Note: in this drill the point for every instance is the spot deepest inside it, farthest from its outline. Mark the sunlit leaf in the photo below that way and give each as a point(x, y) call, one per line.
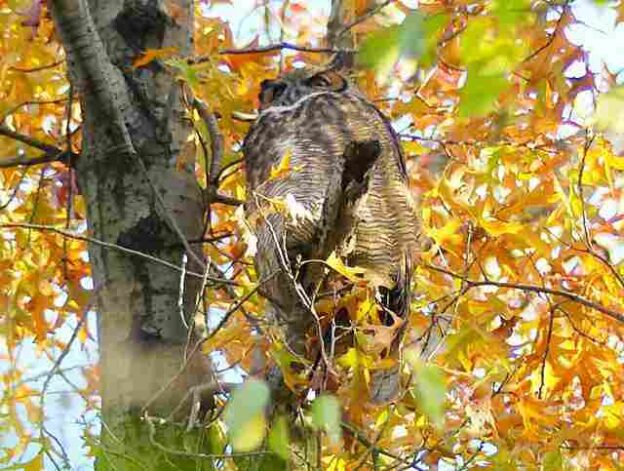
point(352, 273)
point(151, 54)
point(429, 388)
point(326, 415)
point(610, 110)
point(244, 415)
point(279, 439)
point(380, 49)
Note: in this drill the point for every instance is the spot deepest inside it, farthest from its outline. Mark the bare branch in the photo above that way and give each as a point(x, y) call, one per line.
point(368, 14)
point(120, 248)
point(269, 48)
point(30, 103)
point(30, 141)
point(618, 316)
point(213, 196)
point(216, 140)
point(25, 70)
point(60, 156)
point(579, 187)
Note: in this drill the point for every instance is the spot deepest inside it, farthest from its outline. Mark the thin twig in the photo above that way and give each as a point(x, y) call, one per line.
point(70, 177)
point(28, 140)
point(188, 356)
point(22, 160)
point(588, 143)
point(552, 36)
point(268, 48)
point(618, 316)
point(109, 245)
point(181, 291)
point(15, 190)
point(551, 320)
point(365, 16)
point(25, 70)
point(65, 351)
point(30, 103)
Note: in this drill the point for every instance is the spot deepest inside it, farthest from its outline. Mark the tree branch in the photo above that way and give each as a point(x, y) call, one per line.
point(30, 141)
point(60, 156)
point(120, 248)
point(268, 48)
point(52, 153)
point(95, 74)
point(216, 140)
point(618, 316)
point(361, 19)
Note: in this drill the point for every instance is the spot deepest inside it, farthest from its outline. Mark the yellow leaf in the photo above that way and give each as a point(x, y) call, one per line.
point(337, 465)
point(352, 273)
point(610, 110)
point(354, 358)
point(497, 228)
point(250, 434)
point(447, 235)
point(613, 415)
point(283, 168)
point(365, 308)
point(35, 464)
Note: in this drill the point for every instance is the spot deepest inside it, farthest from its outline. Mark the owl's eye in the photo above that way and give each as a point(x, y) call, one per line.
point(270, 90)
point(328, 80)
point(320, 81)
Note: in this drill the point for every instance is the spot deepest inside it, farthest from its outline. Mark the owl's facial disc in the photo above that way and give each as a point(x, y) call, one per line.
point(298, 84)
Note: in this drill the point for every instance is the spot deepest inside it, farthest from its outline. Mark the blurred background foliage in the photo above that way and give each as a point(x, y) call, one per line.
point(511, 116)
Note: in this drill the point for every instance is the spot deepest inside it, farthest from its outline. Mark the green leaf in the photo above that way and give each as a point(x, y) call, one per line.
point(411, 36)
point(279, 438)
point(552, 461)
point(244, 415)
point(416, 37)
point(379, 48)
point(429, 388)
point(326, 416)
point(433, 27)
point(479, 94)
point(185, 71)
point(512, 12)
point(610, 111)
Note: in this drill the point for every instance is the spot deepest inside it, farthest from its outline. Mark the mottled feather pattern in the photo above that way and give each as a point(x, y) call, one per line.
point(314, 127)
point(316, 134)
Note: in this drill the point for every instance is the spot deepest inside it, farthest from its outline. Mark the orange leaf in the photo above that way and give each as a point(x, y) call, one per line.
point(152, 54)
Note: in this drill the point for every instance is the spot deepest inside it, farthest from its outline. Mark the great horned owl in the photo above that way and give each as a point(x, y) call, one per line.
point(329, 156)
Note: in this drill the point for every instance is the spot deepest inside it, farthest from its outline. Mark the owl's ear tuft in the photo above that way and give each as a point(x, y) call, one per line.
point(270, 90)
point(329, 80)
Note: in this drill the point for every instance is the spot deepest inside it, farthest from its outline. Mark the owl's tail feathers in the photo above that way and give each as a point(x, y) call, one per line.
point(385, 385)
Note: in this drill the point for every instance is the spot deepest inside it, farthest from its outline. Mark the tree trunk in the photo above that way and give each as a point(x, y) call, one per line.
point(137, 196)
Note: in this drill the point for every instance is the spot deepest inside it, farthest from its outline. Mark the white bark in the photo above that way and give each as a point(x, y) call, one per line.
point(133, 130)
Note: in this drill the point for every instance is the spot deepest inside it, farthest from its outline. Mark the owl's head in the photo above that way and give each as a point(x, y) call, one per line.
point(295, 85)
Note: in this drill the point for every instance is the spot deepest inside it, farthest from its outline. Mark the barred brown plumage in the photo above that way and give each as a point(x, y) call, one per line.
point(343, 176)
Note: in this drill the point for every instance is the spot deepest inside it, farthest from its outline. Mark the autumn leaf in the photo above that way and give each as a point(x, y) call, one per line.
point(352, 273)
point(609, 112)
point(326, 416)
point(244, 415)
point(152, 54)
point(283, 168)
